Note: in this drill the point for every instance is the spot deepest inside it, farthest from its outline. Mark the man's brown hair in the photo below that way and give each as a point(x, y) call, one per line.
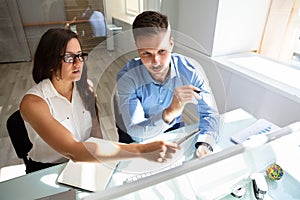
point(149, 23)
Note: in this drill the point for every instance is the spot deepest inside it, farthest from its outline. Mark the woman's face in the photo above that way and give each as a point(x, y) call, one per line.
point(72, 71)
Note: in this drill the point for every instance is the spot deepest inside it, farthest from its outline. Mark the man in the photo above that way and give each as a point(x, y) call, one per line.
point(155, 88)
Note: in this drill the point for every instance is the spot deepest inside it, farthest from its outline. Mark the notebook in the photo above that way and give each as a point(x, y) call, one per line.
point(88, 176)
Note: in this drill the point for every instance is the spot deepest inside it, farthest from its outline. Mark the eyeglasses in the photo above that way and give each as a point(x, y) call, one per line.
point(70, 58)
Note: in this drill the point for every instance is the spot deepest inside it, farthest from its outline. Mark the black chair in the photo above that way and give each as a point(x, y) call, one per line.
point(18, 136)
point(21, 143)
point(124, 137)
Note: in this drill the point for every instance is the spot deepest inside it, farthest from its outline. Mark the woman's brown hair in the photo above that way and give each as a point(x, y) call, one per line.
point(48, 62)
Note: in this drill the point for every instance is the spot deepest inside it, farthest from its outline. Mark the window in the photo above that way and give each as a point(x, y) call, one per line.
point(281, 39)
point(133, 7)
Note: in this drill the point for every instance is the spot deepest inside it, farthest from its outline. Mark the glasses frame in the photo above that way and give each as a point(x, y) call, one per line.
point(82, 57)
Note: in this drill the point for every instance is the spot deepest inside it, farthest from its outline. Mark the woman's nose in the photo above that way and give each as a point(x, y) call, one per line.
point(76, 60)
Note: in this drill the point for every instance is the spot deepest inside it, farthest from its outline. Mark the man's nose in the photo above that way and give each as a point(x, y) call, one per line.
point(155, 59)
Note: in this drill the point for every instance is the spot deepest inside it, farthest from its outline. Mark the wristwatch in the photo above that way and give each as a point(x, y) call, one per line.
point(204, 144)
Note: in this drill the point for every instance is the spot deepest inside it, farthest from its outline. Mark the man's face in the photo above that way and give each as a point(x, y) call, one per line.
point(155, 53)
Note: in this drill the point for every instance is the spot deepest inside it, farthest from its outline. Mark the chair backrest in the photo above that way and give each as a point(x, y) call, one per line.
point(124, 137)
point(117, 112)
point(18, 135)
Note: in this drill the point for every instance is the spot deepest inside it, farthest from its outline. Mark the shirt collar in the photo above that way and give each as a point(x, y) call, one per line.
point(173, 72)
point(50, 91)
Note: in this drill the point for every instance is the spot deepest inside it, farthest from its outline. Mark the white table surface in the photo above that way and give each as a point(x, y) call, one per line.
point(43, 183)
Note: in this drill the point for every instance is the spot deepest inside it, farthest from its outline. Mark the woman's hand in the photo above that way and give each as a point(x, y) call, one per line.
point(158, 151)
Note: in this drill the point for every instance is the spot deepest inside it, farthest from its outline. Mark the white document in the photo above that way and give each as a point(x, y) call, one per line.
point(261, 126)
point(88, 176)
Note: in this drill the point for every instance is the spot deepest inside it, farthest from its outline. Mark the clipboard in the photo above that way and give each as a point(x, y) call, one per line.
point(88, 176)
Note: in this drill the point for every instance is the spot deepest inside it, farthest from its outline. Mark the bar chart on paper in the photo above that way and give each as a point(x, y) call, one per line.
point(261, 126)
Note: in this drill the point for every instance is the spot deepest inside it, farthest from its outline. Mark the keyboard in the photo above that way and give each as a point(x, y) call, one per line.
point(147, 174)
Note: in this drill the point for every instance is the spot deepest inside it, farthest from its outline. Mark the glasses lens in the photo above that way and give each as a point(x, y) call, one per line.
point(79, 56)
point(70, 58)
point(83, 57)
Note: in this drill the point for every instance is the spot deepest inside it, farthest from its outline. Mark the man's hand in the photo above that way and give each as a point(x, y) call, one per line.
point(182, 96)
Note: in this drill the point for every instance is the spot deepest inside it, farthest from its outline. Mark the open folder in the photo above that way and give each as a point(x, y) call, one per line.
point(88, 176)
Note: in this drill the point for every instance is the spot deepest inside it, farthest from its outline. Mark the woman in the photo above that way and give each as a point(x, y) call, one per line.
point(60, 111)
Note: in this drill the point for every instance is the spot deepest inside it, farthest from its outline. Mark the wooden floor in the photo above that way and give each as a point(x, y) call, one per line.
point(15, 80)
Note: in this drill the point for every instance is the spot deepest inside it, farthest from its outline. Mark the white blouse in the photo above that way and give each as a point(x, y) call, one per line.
point(72, 115)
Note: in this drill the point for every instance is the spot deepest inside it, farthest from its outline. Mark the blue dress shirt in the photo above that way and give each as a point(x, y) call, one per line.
point(143, 100)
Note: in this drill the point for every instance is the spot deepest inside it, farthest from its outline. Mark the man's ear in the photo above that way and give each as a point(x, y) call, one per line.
point(172, 43)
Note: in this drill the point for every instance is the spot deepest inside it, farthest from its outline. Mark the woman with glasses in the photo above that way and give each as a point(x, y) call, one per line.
point(60, 110)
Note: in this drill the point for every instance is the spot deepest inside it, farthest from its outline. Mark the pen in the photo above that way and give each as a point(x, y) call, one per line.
point(181, 140)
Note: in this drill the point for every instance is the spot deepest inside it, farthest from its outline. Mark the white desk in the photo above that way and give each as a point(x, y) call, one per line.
point(43, 183)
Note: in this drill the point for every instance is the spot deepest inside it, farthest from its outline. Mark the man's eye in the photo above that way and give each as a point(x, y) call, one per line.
point(162, 51)
point(145, 54)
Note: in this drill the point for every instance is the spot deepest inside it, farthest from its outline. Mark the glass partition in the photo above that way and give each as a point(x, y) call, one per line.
point(86, 17)
point(218, 175)
point(213, 177)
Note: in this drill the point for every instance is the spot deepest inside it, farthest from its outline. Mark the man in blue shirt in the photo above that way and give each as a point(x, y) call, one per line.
point(154, 88)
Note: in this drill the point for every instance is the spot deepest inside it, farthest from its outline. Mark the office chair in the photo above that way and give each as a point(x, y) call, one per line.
point(21, 143)
point(121, 129)
point(18, 136)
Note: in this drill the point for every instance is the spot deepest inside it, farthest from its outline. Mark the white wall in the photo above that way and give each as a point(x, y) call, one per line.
point(235, 89)
point(219, 27)
point(114, 7)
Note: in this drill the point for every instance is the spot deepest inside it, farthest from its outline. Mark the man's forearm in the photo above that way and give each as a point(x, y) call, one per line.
point(167, 116)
